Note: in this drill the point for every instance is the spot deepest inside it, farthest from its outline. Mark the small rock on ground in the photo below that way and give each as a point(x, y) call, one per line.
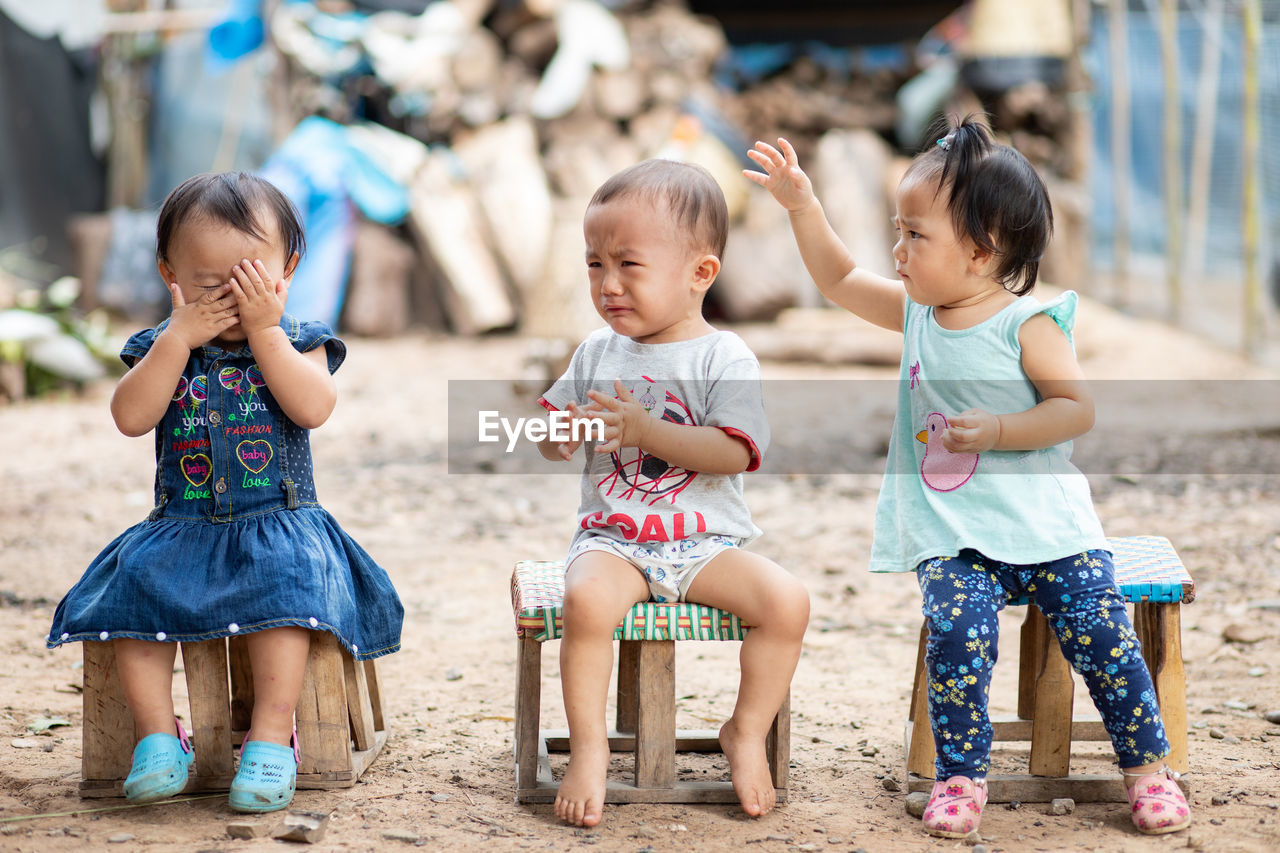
point(1063, 805)
point(309, 827)
point(247, 828)
point(119, 838)
point(916, 803)
point(406, 835)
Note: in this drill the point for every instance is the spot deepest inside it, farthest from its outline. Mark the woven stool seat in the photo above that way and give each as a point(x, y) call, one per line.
point(646, 695)
point(1152, 578)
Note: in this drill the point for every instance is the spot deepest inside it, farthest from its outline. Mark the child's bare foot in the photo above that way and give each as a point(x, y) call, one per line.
point(580, 800)
point(749, 770)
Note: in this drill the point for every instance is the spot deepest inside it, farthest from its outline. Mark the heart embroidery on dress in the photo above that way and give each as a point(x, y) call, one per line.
point(254, 455)
point(196, 468)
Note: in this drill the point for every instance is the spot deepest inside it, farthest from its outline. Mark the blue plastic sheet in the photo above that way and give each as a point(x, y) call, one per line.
point(239, 32)
point(329, 179)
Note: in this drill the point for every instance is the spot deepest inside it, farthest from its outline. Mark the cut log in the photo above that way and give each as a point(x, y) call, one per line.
point(506, 174)
point(378, 291)
point(847, 169)
point(761, 273)
point(452, 231)
point(560, 305)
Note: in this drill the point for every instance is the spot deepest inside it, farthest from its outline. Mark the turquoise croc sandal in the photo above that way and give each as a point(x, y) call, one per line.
point(160, 765)
point(266, 778)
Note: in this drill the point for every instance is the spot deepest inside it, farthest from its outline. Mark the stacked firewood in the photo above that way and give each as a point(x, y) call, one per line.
point(524, 107)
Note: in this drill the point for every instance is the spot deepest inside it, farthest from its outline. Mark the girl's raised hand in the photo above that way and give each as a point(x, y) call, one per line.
point(782, 174)
point(197, 323)
point(261, 300)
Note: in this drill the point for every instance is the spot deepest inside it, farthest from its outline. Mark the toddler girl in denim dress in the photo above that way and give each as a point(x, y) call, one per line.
point(237, 542)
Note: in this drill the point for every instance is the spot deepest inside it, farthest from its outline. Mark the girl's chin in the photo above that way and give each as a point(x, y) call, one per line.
point(235, 335)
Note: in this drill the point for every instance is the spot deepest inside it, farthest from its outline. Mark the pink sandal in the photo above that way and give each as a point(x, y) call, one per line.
point(1158, 803)
point(955, 807)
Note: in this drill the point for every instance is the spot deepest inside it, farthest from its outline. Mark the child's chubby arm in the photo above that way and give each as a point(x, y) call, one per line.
point(144, 393)
point(1065, 410)
point(300, 382)
point(707, 449)
point(874, 298)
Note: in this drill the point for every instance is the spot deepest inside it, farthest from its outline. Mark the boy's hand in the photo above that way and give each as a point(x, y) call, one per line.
point(199, 322)
point(577, 413)
point(261, 300)
point(626, 422)
point(971, 431)
point(782, 175)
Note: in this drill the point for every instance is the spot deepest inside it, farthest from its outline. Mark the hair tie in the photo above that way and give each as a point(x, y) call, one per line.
point(945, 142)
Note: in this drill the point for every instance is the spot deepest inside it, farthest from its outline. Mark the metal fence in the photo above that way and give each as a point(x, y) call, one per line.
point(1186, 205)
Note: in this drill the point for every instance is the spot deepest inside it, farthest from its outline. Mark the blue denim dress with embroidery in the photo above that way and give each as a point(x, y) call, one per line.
point(237, 541)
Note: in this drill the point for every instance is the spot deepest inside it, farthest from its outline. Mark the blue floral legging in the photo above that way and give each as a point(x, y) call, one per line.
point(1078, 595)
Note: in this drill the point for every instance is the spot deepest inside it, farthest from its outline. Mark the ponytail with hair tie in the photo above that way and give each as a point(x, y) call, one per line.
point(995, 198)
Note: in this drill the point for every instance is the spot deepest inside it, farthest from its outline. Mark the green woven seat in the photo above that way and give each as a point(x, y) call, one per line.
point(537, 597)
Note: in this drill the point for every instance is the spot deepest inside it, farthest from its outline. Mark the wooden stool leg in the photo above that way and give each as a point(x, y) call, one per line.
point(375, 694)
point(528, 712)
point(628, 685)
point(359, 706)
point(778, 744)
point(1031, 650)
point(107, 737)
point(241, 685)
point(922, 753)
point(656, 720)
point(210, 695)
point(1051, 722)
point(1160, 631)
point(324, 735)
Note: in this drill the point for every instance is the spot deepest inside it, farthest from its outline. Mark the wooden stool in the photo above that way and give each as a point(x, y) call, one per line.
point(1151, 576)
point(646, 722)
point(339, 716)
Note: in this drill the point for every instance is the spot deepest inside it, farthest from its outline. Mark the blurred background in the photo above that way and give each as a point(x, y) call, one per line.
point(442, 151)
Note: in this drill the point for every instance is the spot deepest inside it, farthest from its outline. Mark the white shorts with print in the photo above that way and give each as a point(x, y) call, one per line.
point(669, 567)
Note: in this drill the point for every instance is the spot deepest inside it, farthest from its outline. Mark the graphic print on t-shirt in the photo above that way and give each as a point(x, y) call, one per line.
point(642, 476)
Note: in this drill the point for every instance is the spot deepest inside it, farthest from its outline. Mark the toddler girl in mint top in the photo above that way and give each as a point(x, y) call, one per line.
point(980, 498)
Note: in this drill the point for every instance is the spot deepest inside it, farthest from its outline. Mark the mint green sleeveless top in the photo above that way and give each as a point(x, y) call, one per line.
point(1013, 506)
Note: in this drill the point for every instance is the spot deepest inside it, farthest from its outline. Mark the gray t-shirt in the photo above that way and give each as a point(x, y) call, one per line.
point(631, 496)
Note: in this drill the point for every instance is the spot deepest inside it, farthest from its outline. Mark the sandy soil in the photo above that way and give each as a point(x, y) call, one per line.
point(69, 482)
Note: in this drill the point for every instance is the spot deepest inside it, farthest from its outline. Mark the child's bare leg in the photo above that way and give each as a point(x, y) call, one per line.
point(776, 606)
point(599, 588)
point(278, 657)
point(146, 675)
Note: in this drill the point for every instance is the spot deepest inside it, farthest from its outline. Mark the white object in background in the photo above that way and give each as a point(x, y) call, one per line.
point(411, 53)
point(589, 35)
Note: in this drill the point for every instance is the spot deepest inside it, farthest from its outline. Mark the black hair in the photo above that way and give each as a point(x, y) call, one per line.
point(234, 198)
point(995, 197)
point(690, 192)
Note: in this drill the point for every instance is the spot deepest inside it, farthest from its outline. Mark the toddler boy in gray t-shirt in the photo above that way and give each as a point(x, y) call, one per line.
point(662, 515)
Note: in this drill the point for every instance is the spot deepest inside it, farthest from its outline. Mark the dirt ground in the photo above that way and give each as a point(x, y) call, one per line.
point(69, 483)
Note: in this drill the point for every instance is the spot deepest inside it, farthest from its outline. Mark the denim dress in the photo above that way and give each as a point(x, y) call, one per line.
point(237, 541)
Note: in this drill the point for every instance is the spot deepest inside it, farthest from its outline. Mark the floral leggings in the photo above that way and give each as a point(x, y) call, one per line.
point(1078, 595)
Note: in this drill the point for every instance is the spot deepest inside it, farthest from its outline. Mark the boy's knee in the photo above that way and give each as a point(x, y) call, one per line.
point(583, 610)
point(790, 605)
